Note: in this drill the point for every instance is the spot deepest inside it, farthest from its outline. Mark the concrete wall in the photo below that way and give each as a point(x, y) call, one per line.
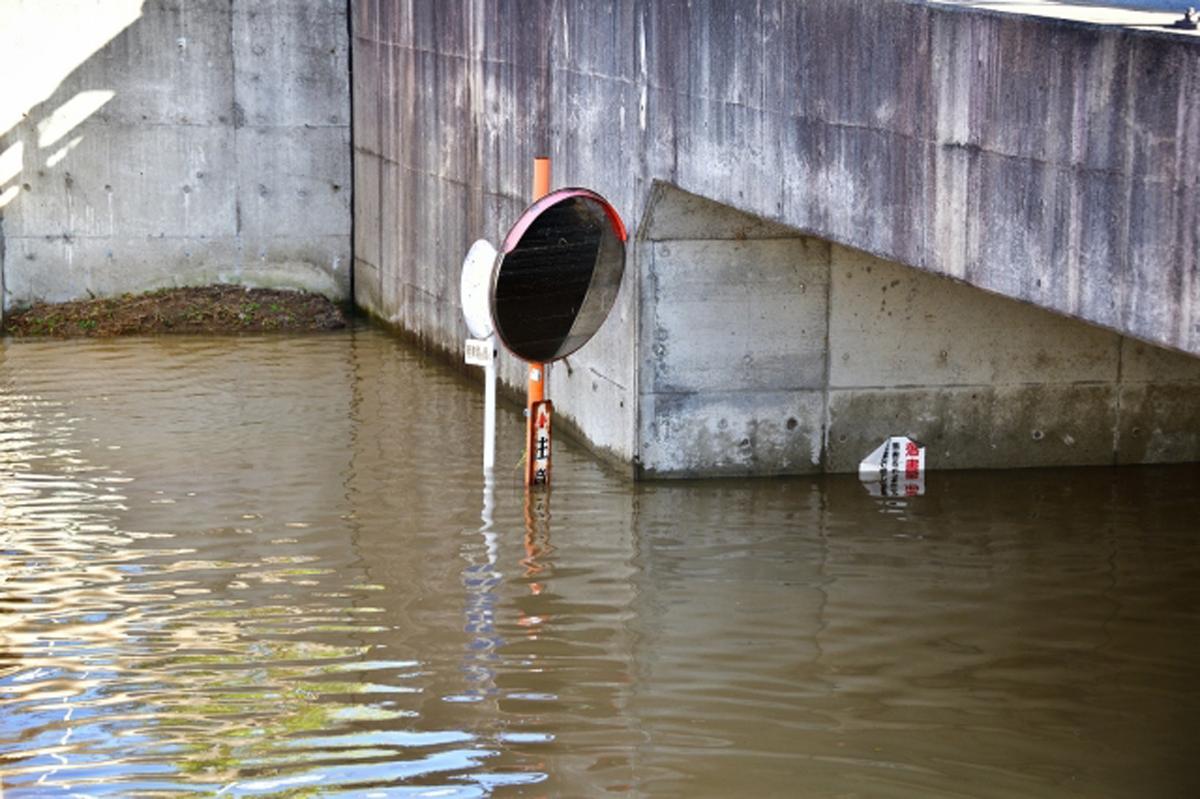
point(160, 142)
point(734, 330)
point(988, 382)
point(1048, 161)
point(763, 351)
point(446, 128)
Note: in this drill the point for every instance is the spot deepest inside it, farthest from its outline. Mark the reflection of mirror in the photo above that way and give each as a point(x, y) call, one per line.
point(558, 275)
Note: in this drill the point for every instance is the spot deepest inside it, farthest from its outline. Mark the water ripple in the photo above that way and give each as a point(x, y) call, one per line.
point(259, 567)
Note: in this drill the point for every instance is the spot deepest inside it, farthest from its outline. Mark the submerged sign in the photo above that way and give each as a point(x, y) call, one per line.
point(896, 468)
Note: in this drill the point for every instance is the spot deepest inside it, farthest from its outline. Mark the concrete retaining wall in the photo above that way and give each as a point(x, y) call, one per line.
point(1051, 161)
point(158, 143)
point(767, 352)
point(1047, 161)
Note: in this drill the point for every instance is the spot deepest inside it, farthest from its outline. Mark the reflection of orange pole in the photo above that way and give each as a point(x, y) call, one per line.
point(536, 384)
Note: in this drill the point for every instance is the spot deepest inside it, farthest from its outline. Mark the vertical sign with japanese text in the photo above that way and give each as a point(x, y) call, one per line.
point(539, 442)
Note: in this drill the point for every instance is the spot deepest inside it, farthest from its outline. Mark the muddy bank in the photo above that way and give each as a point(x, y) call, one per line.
point(209, 309)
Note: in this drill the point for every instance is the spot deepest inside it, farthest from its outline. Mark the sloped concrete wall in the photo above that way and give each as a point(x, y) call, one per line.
point(734, 332)
point(767, 352)
point(158, 142)
point(987, 382)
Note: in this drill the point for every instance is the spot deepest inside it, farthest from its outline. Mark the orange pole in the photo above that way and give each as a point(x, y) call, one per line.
point(537, 371)
point(536, 382)
point(541, 177)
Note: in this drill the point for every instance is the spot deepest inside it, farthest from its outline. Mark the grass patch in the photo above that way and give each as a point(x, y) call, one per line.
point(206, 309)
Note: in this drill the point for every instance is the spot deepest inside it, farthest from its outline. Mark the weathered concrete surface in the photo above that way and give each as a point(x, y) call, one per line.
point(164, 143)
point(733, 349)
point(987, 382)
point(764, 352)
point(1049, 161)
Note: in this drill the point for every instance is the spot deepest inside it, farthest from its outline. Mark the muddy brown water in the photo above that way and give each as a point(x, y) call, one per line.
point(258, 566)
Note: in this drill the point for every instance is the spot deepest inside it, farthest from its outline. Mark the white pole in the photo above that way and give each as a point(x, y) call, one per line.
point(489, 407)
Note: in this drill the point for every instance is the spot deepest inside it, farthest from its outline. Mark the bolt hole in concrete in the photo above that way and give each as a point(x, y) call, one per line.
point(265, 565)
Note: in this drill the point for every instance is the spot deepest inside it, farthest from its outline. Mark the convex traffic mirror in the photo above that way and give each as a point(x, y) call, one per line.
point(557, 274)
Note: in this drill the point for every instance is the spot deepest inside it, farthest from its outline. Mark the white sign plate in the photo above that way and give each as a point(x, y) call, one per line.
point(540, 449)
point(478, 353)
point(896, 468)
point(897, 455)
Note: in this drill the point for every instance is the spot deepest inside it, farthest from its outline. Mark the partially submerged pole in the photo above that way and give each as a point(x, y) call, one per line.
point(536, 382)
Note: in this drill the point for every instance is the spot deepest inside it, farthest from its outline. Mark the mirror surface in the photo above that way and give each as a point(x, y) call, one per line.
point(558, 275)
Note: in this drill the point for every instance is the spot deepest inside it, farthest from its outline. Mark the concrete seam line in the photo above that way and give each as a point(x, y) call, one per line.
point(826, 389)
point(350, 136)
point(237, 119)
point(1120, 386)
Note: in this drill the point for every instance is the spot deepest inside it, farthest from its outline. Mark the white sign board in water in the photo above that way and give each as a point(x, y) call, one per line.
point(897, 467)
point(896, 486)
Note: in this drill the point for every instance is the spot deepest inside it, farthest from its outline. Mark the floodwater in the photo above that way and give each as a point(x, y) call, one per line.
point(258, 566)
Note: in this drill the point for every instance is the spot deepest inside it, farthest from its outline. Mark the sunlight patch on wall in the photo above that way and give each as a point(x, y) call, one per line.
point(61, 152)
point(10, 162)
point(43, 41)
point(67, 116)
point(10, 167)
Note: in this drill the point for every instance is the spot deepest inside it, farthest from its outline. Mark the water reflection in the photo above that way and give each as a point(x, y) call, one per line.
point(481, 578)
point(227, 571)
